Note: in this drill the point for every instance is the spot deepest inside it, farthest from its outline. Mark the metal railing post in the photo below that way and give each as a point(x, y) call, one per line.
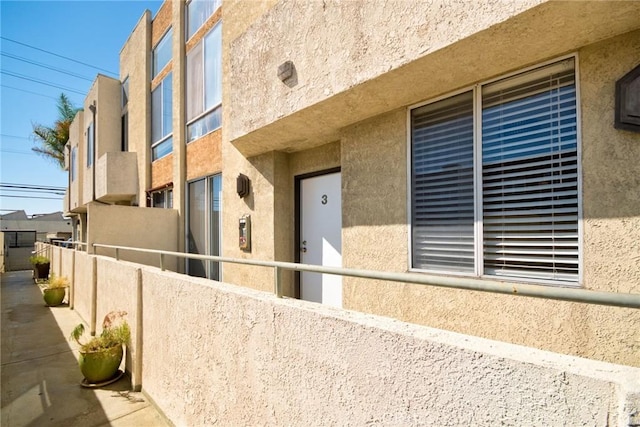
point(117, 254)
point(277, 273)
point(162, 262)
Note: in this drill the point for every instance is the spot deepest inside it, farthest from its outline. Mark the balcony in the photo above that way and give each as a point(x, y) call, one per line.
point(116, 177)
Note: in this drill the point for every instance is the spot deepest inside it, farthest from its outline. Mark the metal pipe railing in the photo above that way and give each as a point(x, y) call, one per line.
point(615, 299)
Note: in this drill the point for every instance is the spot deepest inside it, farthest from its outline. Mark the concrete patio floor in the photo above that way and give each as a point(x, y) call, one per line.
point(39, 373)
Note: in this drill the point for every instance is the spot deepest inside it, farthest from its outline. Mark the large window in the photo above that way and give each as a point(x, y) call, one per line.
point(204, 225)
point(161, 119)
point(124, 119)
point(198, 11)
point(494, 179)
point(204, 85)
point(90, 144)
point(162, 53)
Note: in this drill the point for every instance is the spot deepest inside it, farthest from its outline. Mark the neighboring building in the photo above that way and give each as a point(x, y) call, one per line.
point(46, 225)
point(471, 139)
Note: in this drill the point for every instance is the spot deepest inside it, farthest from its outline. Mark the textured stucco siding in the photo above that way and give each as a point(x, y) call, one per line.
point(116, 177)
point(117, 291)
point(217, 353)
point(152, 228)
point(83, 282)
point(391, 54)
point(76, 133)
point(135, 64)
point(241, 357)
point(610, 165)
point(374, 168)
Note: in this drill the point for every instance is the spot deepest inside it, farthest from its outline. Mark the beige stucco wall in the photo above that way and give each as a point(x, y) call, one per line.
point(284, 361)
point(386, 55)
point(151, 228)
point(116, 177)
point(76, 135)
point(376, 238)
point(610, 159)
point(117, 291)
point(135, 63)
point(83, 282)
point(275, 362)
point(105, 93)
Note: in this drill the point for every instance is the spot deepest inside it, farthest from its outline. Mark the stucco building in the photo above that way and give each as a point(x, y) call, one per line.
point(468, 139)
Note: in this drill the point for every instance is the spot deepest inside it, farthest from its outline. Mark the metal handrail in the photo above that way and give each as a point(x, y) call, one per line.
point(615, 299)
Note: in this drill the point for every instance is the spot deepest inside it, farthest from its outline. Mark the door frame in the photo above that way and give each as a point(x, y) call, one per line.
point(297, 225)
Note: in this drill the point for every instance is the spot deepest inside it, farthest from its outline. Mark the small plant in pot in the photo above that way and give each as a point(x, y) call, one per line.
point(100, 357)
point(55, 290)
point(41, 266)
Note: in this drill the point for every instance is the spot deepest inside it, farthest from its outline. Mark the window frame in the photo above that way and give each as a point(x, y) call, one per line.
point(154, 71)
point(188, 21)
point(169, 135)
point(91, 144)
point(73, 168)
point(476, 89)
point(166, 199)
point(211, 110)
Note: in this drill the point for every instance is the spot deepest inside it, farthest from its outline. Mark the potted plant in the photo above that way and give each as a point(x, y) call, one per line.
point(100, 357)
point(55, 290)
point(41, 266)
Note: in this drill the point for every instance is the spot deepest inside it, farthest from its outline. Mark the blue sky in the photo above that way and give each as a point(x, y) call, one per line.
point(92, 32)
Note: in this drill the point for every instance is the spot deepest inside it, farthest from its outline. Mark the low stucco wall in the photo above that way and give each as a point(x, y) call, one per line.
point(217, 353)
point(243, 357)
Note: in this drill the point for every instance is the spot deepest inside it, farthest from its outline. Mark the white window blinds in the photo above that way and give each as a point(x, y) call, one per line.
point(526, 207)
point(442, 181)
point(530, 175)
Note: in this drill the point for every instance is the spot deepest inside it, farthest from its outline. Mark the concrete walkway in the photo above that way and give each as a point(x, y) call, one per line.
point(40, 376)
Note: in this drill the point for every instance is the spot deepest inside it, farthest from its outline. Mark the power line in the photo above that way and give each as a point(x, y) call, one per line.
point(31, 197)
point(28, 91)
point(42, 82)
point(39, 64)
point(18, 152)
point(58, 55)
point(51, 193)
point(33, 186)
point(14, 136)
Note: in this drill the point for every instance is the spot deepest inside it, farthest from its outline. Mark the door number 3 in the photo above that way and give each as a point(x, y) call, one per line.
point(324, 199)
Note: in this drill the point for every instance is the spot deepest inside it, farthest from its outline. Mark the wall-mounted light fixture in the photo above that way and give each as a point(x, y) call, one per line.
point(243, 186)
point(628, 101)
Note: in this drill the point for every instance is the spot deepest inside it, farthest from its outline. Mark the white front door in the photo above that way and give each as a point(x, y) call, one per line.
point(321, 237)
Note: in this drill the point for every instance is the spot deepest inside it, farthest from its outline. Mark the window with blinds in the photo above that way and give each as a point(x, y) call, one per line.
point(526, 209)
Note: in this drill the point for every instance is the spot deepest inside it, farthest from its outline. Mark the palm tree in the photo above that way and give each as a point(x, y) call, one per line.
point(52, 140)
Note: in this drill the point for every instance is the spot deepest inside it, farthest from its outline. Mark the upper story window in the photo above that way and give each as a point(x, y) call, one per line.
point(198, 11)
point(161, 119)
point(204, 85)
point(162, 53)
point(125, 92)
point(494, 179)
point(72, 167)
point(90, 145)
point(162, 198)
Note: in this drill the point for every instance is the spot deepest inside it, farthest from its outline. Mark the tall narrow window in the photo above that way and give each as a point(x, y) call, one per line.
point(73, 170)
point(90, 145)
point(204, 85)
point(161, 119)
point(198, 11)
point(525, 207)
point(162, 53)
point(442, 180)
point(204, 225)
